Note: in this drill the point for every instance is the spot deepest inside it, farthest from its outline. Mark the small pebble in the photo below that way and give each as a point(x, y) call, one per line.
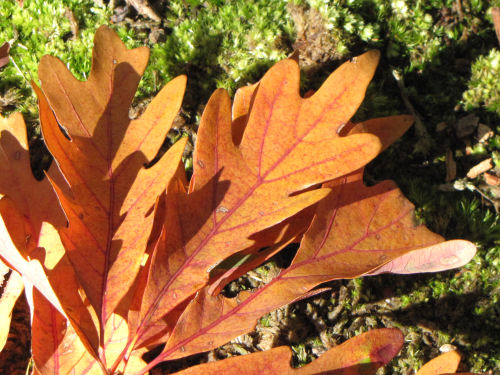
point(447, 348)
point(466, 125)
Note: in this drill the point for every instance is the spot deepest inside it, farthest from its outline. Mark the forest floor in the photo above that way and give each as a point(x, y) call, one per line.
point(440, 62)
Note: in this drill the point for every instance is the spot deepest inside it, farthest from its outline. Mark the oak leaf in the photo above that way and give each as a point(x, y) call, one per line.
point(356, 230)
point(102, 156)
point(136, 257)
point(444, 364)
point(363, 354)
point(22, 216)
point(239, 190)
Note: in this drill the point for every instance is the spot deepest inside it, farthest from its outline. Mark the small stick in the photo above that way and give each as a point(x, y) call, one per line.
point(423, 135)
point(143, 8)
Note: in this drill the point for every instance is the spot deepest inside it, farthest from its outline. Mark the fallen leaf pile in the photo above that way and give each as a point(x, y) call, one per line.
point(119, 257)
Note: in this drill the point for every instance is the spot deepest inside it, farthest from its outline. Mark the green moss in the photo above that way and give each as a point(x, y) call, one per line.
point(300, 354)
point(265, 321)
point(484, 85)
point(221, 44)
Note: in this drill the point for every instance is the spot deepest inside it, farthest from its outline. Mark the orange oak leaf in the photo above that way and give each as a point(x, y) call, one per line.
point(23, 219)
point(135, 258)
point(22, 215)
point(445, 363)
point(362, 354)
point(102, 154)
point(28, 222)
point(387, 130)
point(289, 144)
point(356, 230)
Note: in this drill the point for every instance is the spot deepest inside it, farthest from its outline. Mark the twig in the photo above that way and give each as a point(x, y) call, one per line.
point(20, 71)
point(423, 144)
point(459, 10)
point(463, 184)
point(143, 8)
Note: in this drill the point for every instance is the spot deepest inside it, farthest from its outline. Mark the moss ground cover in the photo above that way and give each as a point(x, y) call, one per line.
point(441, 61)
